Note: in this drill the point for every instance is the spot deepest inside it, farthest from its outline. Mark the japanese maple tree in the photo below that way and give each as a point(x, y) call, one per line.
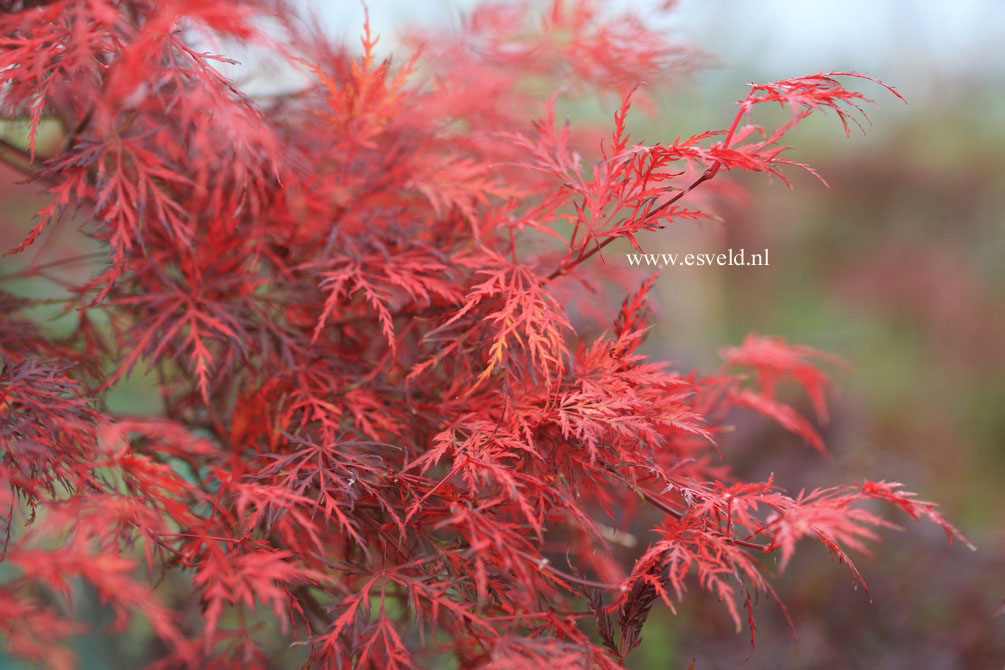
point(394, 426)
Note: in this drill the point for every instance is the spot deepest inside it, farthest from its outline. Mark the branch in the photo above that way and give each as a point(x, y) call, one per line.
point(323, 619)
point(544, 564)
point(564, 268)
point(664, 506)
point(20, 160)
point(31, 269)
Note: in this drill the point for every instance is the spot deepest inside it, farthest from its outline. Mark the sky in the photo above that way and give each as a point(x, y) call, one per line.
point(923, 45)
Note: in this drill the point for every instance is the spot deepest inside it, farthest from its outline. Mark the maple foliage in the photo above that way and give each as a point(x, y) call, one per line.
point(387, 429)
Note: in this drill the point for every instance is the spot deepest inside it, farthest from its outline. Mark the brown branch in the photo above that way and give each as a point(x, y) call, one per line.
point(565, 267)
point(31, 269)
point(664, 506)
point(22, 162)
point(323, 619)
point(545, 564)
point(71, 138)
point(652, 499)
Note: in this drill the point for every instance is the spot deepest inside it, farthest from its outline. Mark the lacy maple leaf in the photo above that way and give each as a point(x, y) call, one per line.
point(388, 427)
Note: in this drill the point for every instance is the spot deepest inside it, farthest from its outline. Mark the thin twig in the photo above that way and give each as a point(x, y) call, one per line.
point(567, 266)
point(314, 607)
point(30, 269)
point(664, 506)
point(545, 564)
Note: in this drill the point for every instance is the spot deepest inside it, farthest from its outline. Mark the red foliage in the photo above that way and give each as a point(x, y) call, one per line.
point(381, 428)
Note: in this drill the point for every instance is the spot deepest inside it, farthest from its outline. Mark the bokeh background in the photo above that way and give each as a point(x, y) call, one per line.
point(898, 267)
